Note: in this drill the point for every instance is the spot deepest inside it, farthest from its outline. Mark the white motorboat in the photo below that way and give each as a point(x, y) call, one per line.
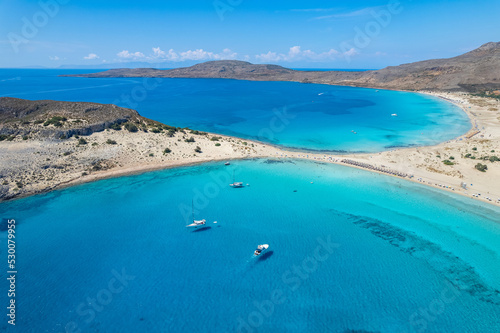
point(261, 248)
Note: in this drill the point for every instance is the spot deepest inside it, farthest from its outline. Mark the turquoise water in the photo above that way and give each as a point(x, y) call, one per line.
point(290, 114)
point(400, 257)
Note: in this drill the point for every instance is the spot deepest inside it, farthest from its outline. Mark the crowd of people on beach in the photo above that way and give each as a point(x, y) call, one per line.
point(375, 168)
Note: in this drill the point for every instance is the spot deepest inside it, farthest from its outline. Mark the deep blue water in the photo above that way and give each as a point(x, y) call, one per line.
point(401, 257)
point(307, 116)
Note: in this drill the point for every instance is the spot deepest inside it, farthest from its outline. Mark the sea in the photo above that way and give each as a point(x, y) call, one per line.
point(349, 250)
point(288, 114)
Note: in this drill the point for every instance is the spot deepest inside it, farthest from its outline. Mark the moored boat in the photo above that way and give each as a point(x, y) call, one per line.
point(195, 223)
point(236, 184)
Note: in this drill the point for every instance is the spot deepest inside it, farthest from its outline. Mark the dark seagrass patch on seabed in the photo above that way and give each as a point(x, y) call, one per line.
point(456, 271)
point(277, 161)
point(400, 146)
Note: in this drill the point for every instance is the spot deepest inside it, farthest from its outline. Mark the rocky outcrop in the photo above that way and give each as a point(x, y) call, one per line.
point(57, 119)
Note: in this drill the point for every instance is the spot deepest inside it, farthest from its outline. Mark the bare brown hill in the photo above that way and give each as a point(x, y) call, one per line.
point(475, 71)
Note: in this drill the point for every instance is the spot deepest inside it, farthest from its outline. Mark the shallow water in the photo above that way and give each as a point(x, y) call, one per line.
point(290, 114)
point(401, 257)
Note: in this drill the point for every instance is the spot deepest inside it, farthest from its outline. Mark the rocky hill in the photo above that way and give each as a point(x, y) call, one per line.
point(226, 69)
point(475, 71)
point(59, 119)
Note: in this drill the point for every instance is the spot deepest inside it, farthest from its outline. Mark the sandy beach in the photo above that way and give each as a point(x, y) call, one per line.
point(36, 166)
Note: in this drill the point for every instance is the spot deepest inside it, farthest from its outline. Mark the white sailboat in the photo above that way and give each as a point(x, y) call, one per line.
point(236, 184)
point(261, 248)
point(195, 222)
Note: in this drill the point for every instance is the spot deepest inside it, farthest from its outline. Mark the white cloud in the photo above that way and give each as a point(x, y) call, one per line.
point(198, 54)
point(351, 52)
point(91, 56)
point(227, 54)
point(171, 55)
point(128, 55)
point(296, 53)
point(158, 53)
point(269, 57)
point(55, 58)
point(355, 13)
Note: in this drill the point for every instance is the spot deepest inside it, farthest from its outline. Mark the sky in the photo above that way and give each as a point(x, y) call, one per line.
point(366, 34)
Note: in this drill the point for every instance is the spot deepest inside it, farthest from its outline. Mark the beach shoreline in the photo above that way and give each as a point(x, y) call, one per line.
point(408, 161)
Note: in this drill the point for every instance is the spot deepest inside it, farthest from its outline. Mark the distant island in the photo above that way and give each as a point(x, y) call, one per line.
point(477, 71)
